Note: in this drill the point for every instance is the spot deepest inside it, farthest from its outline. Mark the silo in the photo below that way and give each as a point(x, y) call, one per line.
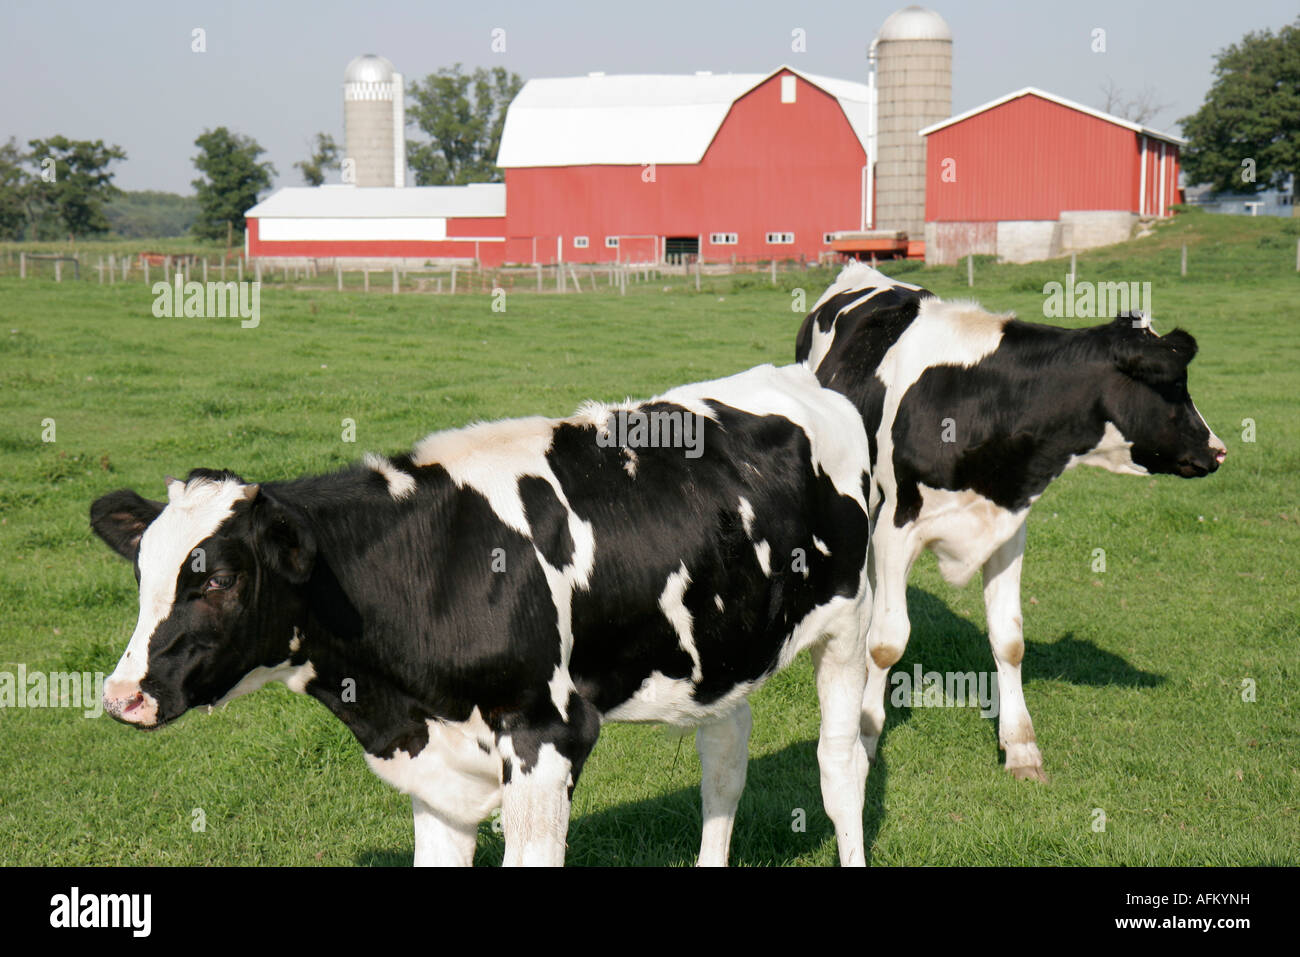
point(913, 80)
point(374, 122)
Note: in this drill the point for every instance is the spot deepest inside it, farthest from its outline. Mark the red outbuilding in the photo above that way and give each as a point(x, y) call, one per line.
point(1032, 175)
point(639, 168)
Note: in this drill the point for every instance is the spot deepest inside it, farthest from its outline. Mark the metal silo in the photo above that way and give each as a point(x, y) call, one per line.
point(374, 122)
point(912, 66)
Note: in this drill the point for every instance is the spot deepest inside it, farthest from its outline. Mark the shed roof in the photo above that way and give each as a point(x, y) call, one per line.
point(382, 202)
point(628, 120)
point(1062, 101)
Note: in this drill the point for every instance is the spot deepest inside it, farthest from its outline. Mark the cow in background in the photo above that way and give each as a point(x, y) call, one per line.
point(970, 415)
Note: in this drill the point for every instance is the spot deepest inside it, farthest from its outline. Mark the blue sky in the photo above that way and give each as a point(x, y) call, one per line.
point(125, 72)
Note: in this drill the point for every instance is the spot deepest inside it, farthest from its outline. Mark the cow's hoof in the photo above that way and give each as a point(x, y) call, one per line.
point(1029, 772)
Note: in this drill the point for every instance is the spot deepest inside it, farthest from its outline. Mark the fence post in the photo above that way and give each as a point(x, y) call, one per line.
point(58, 270)
point(453, 279)
point(1184, 266)
point(167, 269)
point(239, 268)
point(622, 280)
point(257, 270)
point(99, 267)
point(396, 288)
point(539, 277)
point(112, 269)
point(970, 269)
point(223, 268)
point(205, 270)
point(1074, 266)
point(146, 272)
point(365, 280)
point(774, 270)
point(22, 265)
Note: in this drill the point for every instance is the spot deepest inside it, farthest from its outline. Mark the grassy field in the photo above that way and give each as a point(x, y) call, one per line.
point(1134, 675)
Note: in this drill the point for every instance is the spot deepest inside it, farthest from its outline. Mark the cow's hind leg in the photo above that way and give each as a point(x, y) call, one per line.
point(723, 746)
point(541, 764)
point(1006, 636)
point(892, 553)
point(840, 664)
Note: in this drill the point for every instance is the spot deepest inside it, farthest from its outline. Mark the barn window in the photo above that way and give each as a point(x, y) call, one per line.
point(724, 239)
point(611, 242)
point(827, 238)
point(780, 239)
point(579, 242)
point(787, 89)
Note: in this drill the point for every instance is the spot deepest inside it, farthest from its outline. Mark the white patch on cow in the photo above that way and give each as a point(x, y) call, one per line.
point(834, 427)
point(629, 461)
point(295, 677)
point(451, 773)
point(820, 546)
point(490, 457)
point(1215, 443)
point(962, 529)
point(296, 641)
point(763, 552)
point(401, 485)
point(717, 600)
point(193, 513)
point(860, 275)
point(1112, 453)
point(664, 700)
point(672, 604)
point(747, 517)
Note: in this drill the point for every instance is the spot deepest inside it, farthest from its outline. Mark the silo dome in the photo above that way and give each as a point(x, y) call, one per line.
point(914, 23)
point(368, 68)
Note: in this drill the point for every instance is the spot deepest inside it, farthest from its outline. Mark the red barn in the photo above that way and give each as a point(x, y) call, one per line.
point(1032, 175)
point(635, 168)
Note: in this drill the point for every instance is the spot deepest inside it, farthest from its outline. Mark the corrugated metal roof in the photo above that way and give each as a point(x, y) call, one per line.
point(634, 119)
point(1052, 97)
point(385, 202)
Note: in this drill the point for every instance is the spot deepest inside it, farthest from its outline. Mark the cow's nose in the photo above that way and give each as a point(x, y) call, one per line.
point(126, 701)
point(1219, 450)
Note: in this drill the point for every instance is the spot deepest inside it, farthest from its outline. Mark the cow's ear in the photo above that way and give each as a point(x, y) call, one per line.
point(1155, 360)
point(121, 517)
point(285, 544)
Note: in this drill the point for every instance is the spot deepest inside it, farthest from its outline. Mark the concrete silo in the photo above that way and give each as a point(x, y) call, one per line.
point(911, 61)
point(374, 122)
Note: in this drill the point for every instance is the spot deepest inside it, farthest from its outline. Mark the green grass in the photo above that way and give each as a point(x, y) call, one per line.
point(1133, 675)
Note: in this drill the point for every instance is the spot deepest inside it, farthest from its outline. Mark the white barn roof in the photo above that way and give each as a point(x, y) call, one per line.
point(382, 202)
point(1053, 98)
point(634, 119)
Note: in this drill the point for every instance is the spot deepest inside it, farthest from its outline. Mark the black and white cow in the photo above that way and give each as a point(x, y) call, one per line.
point(970, 415)
point(475, 609)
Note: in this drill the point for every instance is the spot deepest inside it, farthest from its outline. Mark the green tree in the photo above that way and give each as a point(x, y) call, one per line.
point(73, 176)
point(14, 186)
point(232, 180)
point(1246, 135)
point(324, 156)
point(462, 114)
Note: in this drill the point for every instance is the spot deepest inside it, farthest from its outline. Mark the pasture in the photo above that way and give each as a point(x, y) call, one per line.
point(1164, 688)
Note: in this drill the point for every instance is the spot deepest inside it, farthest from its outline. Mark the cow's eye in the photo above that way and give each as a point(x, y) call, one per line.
point(219, 582)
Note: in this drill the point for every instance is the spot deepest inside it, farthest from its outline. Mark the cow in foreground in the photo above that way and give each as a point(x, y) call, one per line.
point(475, 609)
point(970, 415)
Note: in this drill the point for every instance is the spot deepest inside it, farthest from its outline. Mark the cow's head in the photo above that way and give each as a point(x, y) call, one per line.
point(1149, 403)
point(218, 565)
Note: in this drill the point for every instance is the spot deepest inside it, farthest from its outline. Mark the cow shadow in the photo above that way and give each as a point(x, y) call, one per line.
point(780, 820)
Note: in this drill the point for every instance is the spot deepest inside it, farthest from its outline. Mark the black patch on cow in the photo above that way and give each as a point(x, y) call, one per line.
point(685, 512)
point(1044, 395)
point(862, 337)
point(548, 520)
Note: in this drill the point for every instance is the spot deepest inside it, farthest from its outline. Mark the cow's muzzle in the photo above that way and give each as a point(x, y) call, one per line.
point(126, 702)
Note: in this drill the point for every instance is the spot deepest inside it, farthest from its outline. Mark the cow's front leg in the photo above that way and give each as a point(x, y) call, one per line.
point(840, 666)
point(440, 842)
point(1006, 636)
point(541, 764)
point(723, 746)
